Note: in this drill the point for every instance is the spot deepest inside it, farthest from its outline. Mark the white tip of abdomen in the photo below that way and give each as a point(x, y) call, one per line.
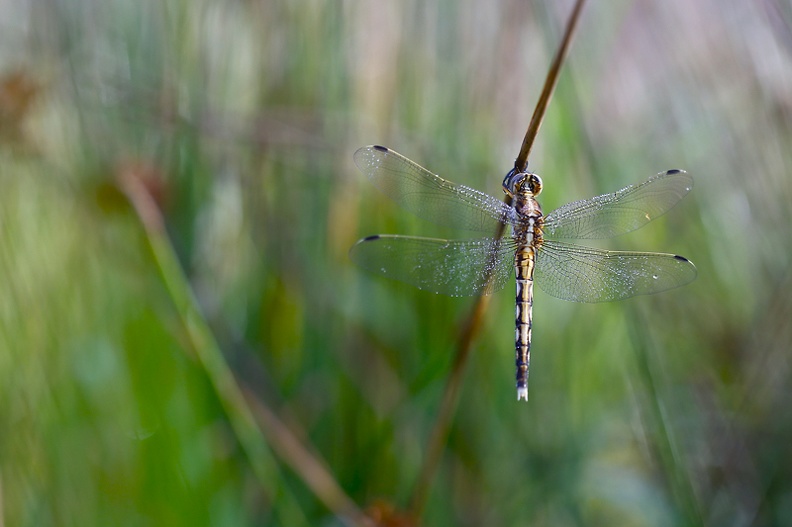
point(522, 393)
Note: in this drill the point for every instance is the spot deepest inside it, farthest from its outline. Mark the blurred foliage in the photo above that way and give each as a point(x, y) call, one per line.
point(240, 119)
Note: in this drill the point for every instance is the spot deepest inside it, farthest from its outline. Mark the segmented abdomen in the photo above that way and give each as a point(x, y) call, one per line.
point(524, 266)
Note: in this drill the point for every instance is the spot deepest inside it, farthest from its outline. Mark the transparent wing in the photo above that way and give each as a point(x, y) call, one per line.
point(620, 212)
point(429, 196)
point(449, 267)
point(583, 274)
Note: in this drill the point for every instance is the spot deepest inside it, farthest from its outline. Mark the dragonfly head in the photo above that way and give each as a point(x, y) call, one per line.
point(517, 182)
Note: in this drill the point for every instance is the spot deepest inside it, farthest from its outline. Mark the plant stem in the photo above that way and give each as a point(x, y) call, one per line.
point(254, 438)
point(439, 434)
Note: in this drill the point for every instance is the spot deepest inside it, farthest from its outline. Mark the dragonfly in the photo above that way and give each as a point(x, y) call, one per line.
point(482, 266)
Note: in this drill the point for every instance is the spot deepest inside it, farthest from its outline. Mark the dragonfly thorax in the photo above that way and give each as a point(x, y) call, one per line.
point(523, 188)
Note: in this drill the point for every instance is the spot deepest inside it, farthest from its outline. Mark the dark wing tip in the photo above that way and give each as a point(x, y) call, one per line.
point(363, 156)
point(356, 246)
point(689, 266)
point(673, 171)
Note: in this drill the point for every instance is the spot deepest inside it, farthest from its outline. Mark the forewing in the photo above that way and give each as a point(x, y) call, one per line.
point(429, 196)
point(449, 267)
point(583, 274)
point(620, 212)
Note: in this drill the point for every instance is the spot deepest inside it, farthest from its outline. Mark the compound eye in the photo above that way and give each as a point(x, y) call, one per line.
point(512, 181)
point(534, 184)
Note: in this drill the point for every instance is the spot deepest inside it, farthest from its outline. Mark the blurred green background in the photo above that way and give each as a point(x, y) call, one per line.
point(240, 118)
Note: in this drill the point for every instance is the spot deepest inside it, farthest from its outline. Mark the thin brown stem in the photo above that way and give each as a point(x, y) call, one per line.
point(448, 404)
point(472, 323)
point(521, 163)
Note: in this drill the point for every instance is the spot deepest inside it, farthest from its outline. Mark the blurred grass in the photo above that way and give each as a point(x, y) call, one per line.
point(241, 118)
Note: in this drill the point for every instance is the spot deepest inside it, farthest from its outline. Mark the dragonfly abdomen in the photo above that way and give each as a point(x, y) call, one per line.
point(524, 266)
